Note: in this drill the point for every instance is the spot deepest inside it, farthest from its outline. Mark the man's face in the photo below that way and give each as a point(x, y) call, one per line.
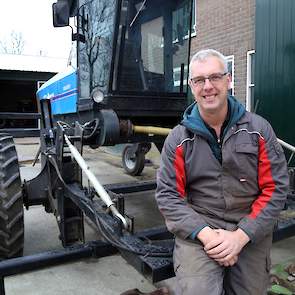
point(211, 96)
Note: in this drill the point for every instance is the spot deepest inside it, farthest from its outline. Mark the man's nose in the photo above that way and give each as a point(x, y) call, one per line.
point(207, 84)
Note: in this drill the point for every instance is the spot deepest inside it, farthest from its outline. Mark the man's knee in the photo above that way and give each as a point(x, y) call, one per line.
point(250, 275)
point(196, 273)
point(202, 285)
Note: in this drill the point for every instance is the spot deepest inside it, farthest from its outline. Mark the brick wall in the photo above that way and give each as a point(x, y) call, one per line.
point(227, 26)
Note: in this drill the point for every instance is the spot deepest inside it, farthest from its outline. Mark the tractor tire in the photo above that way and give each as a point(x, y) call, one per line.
point(132, 163)
point(11, 201)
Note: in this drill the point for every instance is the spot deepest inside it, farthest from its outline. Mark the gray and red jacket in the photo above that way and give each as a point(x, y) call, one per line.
point(248, 190)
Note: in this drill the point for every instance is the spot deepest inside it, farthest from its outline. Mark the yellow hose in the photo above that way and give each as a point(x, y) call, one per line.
point(151, 130)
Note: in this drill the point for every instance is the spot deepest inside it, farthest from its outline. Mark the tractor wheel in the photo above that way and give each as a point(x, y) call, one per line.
point(11, 201)
point(133, 163)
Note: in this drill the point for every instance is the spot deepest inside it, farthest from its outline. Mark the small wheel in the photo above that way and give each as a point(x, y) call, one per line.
point(133, 162)
point(11, 201)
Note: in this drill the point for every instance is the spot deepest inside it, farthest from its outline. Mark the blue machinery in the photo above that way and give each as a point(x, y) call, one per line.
point(62, 92)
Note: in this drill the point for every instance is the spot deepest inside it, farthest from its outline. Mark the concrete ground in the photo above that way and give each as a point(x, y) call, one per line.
point(104, 276)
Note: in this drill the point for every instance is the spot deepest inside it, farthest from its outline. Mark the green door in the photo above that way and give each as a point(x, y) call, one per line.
point(274, 93)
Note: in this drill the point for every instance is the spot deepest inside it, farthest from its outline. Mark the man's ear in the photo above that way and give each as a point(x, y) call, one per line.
point(191, 87)
point(190, 84)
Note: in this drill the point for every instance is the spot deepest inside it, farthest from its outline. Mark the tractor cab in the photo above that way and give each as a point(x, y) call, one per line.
point(132, 56)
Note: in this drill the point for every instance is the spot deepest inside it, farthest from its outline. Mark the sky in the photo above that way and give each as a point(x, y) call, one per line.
point(33, 18)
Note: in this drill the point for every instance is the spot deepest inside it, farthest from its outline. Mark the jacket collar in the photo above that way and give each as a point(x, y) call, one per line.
point(193, 121)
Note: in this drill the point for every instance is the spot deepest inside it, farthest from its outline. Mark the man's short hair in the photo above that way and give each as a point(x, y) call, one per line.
point(202, 55)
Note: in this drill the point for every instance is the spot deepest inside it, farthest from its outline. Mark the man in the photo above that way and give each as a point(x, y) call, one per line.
point(222, 182)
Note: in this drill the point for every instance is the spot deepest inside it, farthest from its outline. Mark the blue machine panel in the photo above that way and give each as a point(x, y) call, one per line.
point(62, 91)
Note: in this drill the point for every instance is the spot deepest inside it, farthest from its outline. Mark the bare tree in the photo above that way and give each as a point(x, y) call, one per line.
point(14, 45)
point(95, 53)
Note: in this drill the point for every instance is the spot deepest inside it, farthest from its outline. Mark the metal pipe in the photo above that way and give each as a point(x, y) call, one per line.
point(151, 130)
point(32, 262)
point(23, 264)
point(9, 115)
point(165, 131)
point(97, 186)
point(287, 145)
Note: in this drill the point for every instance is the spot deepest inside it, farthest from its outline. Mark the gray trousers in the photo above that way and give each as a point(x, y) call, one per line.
point(197, 274)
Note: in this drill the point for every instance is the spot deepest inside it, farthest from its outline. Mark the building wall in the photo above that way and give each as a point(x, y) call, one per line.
point(18, 95)
point(227, 26)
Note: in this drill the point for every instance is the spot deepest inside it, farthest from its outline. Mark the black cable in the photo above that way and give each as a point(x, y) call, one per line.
point(95, 128)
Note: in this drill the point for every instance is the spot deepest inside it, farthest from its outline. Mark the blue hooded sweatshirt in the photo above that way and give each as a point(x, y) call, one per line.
point(193, 121)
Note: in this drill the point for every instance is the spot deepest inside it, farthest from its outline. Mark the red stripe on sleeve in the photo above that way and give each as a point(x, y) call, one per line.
point(180, 171)
point(265, 181)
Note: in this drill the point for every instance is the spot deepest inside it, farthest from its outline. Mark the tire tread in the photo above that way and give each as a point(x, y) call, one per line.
point(11, 202)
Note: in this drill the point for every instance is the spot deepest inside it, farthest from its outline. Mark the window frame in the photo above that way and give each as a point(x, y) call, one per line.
point(250, 81)
point(194, 19)
point(231, 58)
point(176, 71)
point(194, 24)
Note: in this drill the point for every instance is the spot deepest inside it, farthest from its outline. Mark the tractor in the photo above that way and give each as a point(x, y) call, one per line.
point(128, 85)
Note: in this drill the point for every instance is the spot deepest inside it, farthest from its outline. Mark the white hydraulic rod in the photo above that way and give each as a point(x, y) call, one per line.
point(97, 186)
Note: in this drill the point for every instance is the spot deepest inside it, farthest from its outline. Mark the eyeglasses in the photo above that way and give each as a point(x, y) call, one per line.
point(213, 78)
